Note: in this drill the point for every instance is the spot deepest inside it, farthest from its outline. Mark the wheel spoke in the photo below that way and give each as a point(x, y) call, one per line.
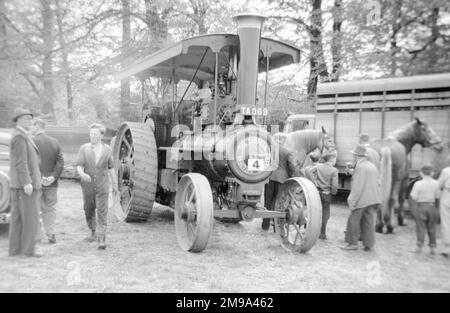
point(299, 233)
point(127, 144)
point(191, 197)
point(191, 230)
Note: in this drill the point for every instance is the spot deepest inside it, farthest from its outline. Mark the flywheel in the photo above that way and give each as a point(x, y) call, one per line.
point(136, 165)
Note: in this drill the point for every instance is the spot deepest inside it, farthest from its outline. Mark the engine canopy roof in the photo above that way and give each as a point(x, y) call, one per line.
point(182, 59)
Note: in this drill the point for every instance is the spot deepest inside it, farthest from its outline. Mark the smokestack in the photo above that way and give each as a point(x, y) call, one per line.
point(249, 31)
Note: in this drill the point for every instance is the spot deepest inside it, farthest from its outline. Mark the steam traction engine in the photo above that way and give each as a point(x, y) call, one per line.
point(206, 157)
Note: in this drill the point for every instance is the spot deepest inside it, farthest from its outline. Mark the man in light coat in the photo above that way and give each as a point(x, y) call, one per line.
point(364, 199)
point(25, 187)
point(372, 154)
point(444, 209)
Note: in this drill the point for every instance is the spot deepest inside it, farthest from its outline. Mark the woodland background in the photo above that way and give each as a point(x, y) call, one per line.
point(59, 58)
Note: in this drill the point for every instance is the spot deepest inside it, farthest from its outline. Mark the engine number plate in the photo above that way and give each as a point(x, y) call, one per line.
point(256, 165)
point(254, 111)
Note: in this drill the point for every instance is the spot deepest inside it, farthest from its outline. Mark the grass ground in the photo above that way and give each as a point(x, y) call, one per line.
point(146, 257)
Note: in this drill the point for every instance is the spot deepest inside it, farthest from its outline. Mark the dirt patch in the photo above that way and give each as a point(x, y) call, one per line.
point(145, 257)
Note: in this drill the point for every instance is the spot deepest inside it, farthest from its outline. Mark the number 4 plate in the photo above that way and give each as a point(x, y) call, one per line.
point(257, 165)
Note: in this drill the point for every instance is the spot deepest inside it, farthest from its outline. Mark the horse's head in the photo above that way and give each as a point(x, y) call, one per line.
point(328, 141)
point(426, 136)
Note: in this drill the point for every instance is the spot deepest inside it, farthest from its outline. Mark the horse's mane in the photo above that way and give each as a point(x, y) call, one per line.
point(404, 132)
point(306, 139)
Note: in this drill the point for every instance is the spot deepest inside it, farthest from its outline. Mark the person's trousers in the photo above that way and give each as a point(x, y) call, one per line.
point(96, 211)
point(48, 209)
point(362, 222)
point(444, 210)
point(426, 220)
point(326, 201)
point(24, 223)
point(271, 190)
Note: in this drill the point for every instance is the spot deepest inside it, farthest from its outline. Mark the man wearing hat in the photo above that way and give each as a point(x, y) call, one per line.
point(52, 163)
point(364, 199)
point(372, 155)
point(25, 187)
point(325, 177)
point(425, 194)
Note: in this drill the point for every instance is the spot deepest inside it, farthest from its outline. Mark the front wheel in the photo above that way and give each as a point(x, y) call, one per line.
point(300, 200)
point(193, 212)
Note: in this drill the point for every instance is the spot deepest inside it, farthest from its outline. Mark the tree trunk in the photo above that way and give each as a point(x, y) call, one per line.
point(396, 26)
point(3, 31)
point(317, 63)
point(48, 94)
point(126, 37)
point(65, 62)
point(336, 41)
point(434, 36)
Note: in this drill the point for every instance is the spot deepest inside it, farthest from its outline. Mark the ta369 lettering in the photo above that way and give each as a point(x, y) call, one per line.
point(246, 302)
point(254, 111)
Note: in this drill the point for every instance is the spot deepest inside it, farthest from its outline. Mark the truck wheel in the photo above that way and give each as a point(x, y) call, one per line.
point(193, 212)
point(4, 193)
point(136, 164)
point(300, 200)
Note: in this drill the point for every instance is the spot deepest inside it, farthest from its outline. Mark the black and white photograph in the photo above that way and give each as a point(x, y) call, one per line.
point(224, 152)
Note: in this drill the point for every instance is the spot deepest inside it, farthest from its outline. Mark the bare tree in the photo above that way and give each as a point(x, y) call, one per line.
point(48, 94)
point(126, 37)
point(336, 41)
point(3, 32)
point(65, 62)
point(317, 65)
point(396, 27)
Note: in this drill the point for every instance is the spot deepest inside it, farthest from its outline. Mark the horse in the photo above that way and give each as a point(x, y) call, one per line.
point(306, 141)
point(393, 152)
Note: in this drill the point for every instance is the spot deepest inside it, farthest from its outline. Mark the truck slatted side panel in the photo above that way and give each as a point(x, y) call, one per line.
point(380, 106)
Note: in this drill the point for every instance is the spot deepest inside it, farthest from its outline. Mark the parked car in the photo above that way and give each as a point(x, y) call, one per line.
point(5, 138)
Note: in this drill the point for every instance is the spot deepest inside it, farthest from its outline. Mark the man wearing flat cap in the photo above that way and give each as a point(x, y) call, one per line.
point(25, 187)
point(372, 155)
point(364, 199)
point(52, 163)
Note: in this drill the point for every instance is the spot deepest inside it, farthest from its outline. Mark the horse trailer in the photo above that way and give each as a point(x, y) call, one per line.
point(380, 106)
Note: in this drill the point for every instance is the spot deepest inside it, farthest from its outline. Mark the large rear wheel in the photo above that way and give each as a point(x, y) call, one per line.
point(300, 200)
point(193, 212)
point(136, 164)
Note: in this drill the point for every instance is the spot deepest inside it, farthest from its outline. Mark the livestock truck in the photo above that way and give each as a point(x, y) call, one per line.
point(380, 106)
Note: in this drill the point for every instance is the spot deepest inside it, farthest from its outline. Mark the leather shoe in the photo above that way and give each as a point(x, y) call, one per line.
point(323, 237)
point(35, 255)
point(102, 243)
point(367, 249)
point(349, 247)
point(52, 239)
point(265, 225)
point(91, 238)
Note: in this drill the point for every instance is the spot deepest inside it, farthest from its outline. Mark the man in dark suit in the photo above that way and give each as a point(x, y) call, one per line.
point(52, 163)
point(287, 167)
point(25, 188)
point(364, 199)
